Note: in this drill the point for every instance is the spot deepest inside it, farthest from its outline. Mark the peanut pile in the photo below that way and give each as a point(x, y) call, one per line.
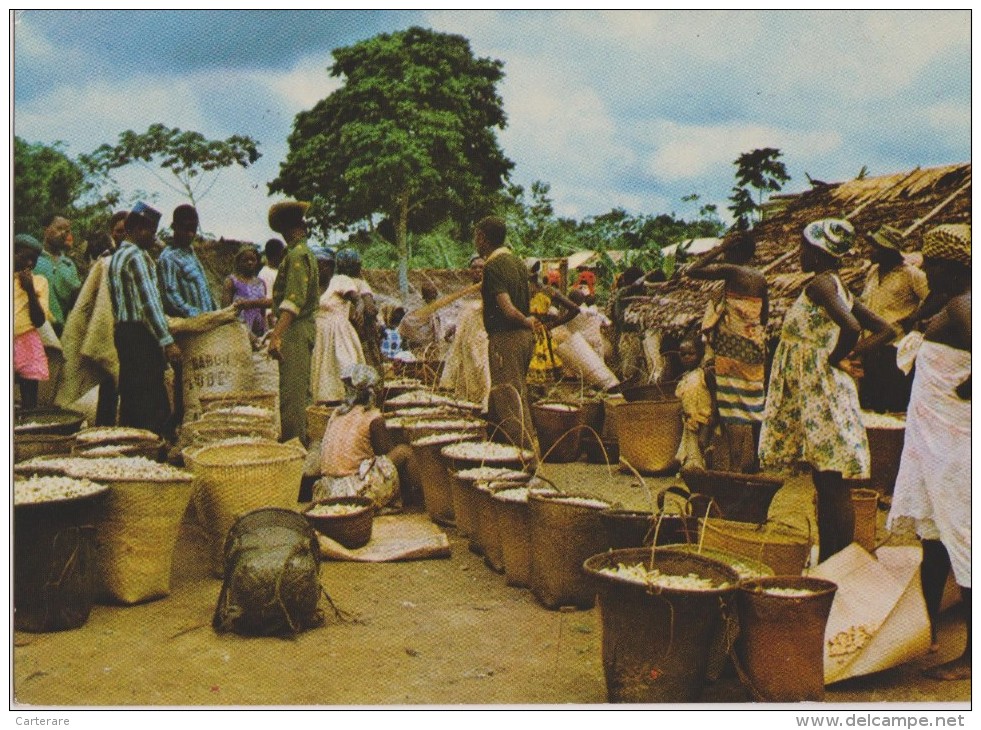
point(48, 489)
point(640, 574)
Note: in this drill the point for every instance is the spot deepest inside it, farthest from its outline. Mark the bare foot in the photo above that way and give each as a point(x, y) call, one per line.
point(955, 670)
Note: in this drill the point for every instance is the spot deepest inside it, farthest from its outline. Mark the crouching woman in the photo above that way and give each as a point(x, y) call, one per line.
point(357, 455)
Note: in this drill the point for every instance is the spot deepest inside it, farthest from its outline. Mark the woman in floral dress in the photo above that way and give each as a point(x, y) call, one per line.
point(812, 410)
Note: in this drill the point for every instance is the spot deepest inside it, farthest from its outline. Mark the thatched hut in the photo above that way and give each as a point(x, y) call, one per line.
point(913, 201)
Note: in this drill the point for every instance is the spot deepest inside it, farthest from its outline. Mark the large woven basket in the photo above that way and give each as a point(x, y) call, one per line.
point(233, 479)
point(423, 427)
point(649, 433)
point(259, 399)
point(206, 431)
point(27, 446)
point(47, 420)
point(784, 550)
point(137, 532)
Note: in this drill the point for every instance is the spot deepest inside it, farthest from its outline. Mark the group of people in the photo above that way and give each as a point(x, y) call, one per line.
point(743, 410)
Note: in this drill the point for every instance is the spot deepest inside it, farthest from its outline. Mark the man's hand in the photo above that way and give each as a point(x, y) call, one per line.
point(172, 352)
point(852, 366)
point(275, 345)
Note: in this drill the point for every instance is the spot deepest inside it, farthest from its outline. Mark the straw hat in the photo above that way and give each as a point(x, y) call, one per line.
point(951, 242)
point(285, 215)
point(832, 235)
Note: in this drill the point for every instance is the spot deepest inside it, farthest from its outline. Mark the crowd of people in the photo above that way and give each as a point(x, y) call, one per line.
point(903, 344)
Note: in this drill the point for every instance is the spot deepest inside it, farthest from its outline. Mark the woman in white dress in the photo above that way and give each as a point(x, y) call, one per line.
point(337, 345)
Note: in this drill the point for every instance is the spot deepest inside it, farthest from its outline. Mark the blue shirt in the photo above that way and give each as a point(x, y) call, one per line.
point(183, 286)
point(135, 293)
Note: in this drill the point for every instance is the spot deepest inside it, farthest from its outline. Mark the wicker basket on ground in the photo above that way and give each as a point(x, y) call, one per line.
point(233, 479)
point(137, 532)
point(648, 434)
point(29, 445)
point(784, 550)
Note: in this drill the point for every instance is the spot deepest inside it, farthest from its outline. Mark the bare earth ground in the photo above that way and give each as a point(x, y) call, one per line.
point(434, 632)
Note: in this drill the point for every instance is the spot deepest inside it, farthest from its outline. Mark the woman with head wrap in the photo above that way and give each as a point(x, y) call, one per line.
point(337, 345)
point(933, 487)
point(812, 411)
point(357, 454)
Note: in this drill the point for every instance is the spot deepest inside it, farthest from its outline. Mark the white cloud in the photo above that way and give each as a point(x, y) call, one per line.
point(687, 152)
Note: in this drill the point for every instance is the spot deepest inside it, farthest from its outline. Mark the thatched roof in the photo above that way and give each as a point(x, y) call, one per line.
point(912, 201)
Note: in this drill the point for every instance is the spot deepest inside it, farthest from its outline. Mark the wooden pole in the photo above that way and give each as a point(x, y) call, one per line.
point(434, 306)
point(939, 207)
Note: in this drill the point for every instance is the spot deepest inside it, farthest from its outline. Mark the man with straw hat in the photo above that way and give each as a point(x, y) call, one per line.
point(933, 487)
point(895, 290)
point(295, 295)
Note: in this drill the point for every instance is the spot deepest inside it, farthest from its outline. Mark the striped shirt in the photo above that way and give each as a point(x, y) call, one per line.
point(183, 286)
point(134, 291)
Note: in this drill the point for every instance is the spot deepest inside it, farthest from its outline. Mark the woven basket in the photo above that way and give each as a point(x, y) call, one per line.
point(436, 479)
point(487, 528)
point(739, 497)
point(137, 533)
point(150, 449)
point(47, 421)
point(421, 428)
point(563, 536)
point(233, 479)
point(866, 505)
point(317, 416)
point(259, 399)
point(208, 431)
point(559, 432)
point(784, 550)
point(27, 446)
point(648, 434)
point(514, 525)
point(114, 435)
point(352, 530)
point(41, 467)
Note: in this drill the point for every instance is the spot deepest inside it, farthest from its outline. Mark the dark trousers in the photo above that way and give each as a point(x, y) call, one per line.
point(142, 395)
point(108, 403)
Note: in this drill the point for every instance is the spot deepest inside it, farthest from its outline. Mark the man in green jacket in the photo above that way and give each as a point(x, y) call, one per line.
point(55, 265)
point(295, 295)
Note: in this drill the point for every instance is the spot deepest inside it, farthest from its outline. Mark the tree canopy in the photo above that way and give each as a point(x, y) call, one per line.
point(761, 170)
point(46, 182)
point(410, 137)
point(186, 154)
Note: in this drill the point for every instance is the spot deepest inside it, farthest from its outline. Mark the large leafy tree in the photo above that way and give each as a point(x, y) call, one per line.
point(410, 138)
point(46, 182)
point(187, 155)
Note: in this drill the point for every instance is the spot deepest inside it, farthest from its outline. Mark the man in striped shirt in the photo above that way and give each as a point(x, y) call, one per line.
point(143, 341)
point(183, 285)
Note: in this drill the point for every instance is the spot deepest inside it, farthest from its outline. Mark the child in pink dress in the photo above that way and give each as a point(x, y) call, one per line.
point(30, 312)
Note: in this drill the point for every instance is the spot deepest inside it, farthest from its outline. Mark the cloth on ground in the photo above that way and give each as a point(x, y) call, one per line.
point(393, 538)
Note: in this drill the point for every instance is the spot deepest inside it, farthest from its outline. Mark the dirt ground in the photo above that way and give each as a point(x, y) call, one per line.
point(445, 632)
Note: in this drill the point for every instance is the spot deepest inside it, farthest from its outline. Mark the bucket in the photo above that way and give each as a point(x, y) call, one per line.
point(780, 648)
point(657, 641)
point(866, 504)
point(54, 563)
point(558, 426)
point(232, 479)
point(649, 433)
point(563, 534)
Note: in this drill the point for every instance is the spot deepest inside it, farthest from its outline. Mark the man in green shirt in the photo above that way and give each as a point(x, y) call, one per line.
point(60, 271)
point(510, 332)
point(295, 295)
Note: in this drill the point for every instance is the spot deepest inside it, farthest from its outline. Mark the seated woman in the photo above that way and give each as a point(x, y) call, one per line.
point(357, 454)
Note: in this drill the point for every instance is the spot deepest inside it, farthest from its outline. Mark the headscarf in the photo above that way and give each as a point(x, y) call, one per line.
point(360, 383)
point(834, 236)
point(950, 242)
point(347, 260)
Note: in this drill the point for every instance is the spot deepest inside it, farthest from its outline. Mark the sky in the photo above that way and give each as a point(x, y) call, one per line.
point(614, 109)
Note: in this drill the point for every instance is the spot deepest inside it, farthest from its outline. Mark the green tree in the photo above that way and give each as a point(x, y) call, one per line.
point(187, 155)
point(762, 171)
point(46, 182)
point(410, 136)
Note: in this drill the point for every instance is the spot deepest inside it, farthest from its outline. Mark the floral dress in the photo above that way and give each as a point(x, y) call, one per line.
point(812, 410)
point(545, 366)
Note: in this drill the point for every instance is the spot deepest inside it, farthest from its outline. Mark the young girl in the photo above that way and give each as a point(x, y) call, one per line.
point(30, 312)
point(695, 390)
point(247, 291)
